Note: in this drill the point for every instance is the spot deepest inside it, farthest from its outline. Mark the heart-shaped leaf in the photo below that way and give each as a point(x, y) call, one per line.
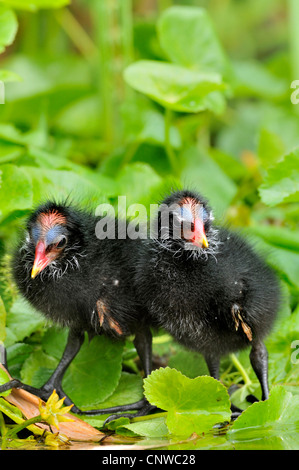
point(193, 405)
point(188, 38)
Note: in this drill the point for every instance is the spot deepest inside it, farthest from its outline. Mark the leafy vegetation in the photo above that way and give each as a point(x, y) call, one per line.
point(125, 98)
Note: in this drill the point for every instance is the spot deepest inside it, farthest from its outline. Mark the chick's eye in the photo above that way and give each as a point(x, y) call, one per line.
point(61, 243)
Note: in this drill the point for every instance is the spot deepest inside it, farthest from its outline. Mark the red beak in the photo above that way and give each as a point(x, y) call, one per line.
point(199, 237)
point(41, 260)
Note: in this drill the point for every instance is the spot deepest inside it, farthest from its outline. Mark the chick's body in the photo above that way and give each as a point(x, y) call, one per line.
point(207, 287)
point(194, 298)
point(82, 281)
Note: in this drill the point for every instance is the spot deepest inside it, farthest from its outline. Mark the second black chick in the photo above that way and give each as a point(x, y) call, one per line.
point(82, 282)
point(206, 286)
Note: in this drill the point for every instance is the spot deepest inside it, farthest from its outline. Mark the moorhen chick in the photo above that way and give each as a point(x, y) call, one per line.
point(206, 286)
point(81, 282)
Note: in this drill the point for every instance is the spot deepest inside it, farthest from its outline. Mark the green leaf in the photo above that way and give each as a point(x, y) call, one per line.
point(136, 181)
point(15, 190)
point(34, 5)
point(253, 79)
point(9, 76)
point(9, 26)
point(270, 417)
point(4, 378)
point(173, 86)
point(193, 405)
point(153, 427)
point(281, 184)
point(88, 187)
point(34, 366)
point(197, 170)
point(270, 148)
point(188, 38)
point(2, 321)
point(278, 236)
point(144, 123)
point(95, 372)
point(22, 320)
point(70, 121)
point(128, 390)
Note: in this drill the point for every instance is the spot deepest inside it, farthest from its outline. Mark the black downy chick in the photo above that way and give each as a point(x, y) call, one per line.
point(206, 286)
point(81, 282)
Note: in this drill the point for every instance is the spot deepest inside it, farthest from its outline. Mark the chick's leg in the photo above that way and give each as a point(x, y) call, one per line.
point(259, 362)
point(74, 343)
point(73, 346)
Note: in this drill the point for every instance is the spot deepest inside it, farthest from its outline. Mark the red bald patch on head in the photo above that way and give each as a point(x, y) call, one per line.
point(188, 201)
point(51, 218)
point(191, 204)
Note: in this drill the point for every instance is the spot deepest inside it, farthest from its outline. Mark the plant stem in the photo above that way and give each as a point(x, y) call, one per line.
point(105, 34)
point(170, 153)
point(241, 369)
point(293, 7)
point(25, 424)
point(76, 33)
point(3, 431)
point(127, 31)
point(127, 41)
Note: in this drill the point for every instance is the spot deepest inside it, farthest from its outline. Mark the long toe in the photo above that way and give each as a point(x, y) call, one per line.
point(147, 409)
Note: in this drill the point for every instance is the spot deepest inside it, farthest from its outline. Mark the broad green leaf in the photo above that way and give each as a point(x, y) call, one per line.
point(278, 236)
point(34, 368)
point(70, 121)
point(253, 79)
point(285, 261)
point(8, 29)
point(15, 190)
point(173, 86)
point(128, 390)
point(190, 363)
point(193, 405)
point(22, 320)
point(196, 174)
point(34, 5)
point(135, 181)
point(47, 183)
point(188, 38)
point(270, 148)
point(267, 418)
point(95, 372)
point(281, 184)
point(153, 427)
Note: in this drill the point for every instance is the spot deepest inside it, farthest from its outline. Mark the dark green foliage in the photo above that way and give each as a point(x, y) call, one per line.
point(102, 102)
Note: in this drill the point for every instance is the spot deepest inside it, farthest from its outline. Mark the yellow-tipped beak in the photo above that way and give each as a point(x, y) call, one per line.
point(34, 272)
point(204, 241)
point(200, 238)
point(40, 261)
